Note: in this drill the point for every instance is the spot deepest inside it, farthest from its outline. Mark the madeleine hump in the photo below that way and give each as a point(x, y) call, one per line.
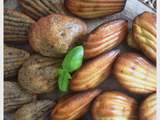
point(114, 105)
point(94, 72)
point(106, 37)
point(148, 108)
point(55, 34)
point(39, 74)
point(144, 34)
point(135, 73)
point(90, 9)
point(38, 110)
point(14, 96)
point(13, 59)
point(75, 106)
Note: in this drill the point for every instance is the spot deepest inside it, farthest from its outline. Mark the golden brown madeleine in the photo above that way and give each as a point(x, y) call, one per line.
point(135, 73)
point(13, 59)
point(105, 37)
point(94, 72)
point(144, 33)
point(39, 74)
point(40, 8)
point(74, 107)
point(148, 108)
point(53, 35)
point(91, 9)
point(14, 97)
point(16, 26)
point(38, 110)
point(114, 106)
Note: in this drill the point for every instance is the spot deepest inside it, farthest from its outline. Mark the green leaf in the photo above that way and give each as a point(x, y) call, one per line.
point(63, 80)
point(73, 60)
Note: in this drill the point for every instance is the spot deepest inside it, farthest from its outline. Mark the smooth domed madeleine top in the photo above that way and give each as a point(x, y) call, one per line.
point(148, 108)
point(14, 96)
point(135, 73)
point(16, 26)
point(105, 37)
point(75, 106)
point(41, 8)
point(39, 74)
point(114, 105)
point(93, 72)
point(144, 33)
point(55, 34)
point(13, 59)
point(90, 9)
point(37, 110)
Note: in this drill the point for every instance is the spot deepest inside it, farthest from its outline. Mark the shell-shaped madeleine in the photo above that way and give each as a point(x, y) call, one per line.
point(38, 110)
point(148, 108)
point(94, 72)
point(55, 34)
point(105, 37)
point(13, 59)
point(16, 26)
point(74, 107)
point(39, 74)
point(144, 33)
point(114, 106)
point(40, 8)
point(14, 97)
point(135, 73)
point(90, 9)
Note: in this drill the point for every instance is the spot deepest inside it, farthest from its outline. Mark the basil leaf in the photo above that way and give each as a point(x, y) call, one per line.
point(63, 80)
point(73, 60)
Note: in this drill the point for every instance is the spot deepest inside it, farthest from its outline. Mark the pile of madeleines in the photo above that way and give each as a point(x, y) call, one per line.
point(51, 28)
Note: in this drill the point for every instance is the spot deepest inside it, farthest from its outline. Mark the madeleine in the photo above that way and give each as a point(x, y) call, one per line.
point(74, 107)
point(144, 34)
point(93, 72)
point(90, 9)
point(135, 73)
point(114, 106)
point(148, 108)
point(55, 34)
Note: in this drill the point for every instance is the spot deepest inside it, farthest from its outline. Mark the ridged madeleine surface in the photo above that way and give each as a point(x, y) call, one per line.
point(55, 34)
point(148, 108)
point(94, 72)
point(114, 106)
point(40, 8)
point(144, 33)
point(131, 42)
point(14, 96)
point(38, 110)
point(39, 74)
point(16, 26)
point(135, 73)
point(105, 37)
point(91, 9)
point(74, 107)
point(13, 59)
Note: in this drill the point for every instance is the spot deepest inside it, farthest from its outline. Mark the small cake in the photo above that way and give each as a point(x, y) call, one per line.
point(13, 60)
point(39, 74)
point(16, 26)
point(41, 8)
point(55, 34)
